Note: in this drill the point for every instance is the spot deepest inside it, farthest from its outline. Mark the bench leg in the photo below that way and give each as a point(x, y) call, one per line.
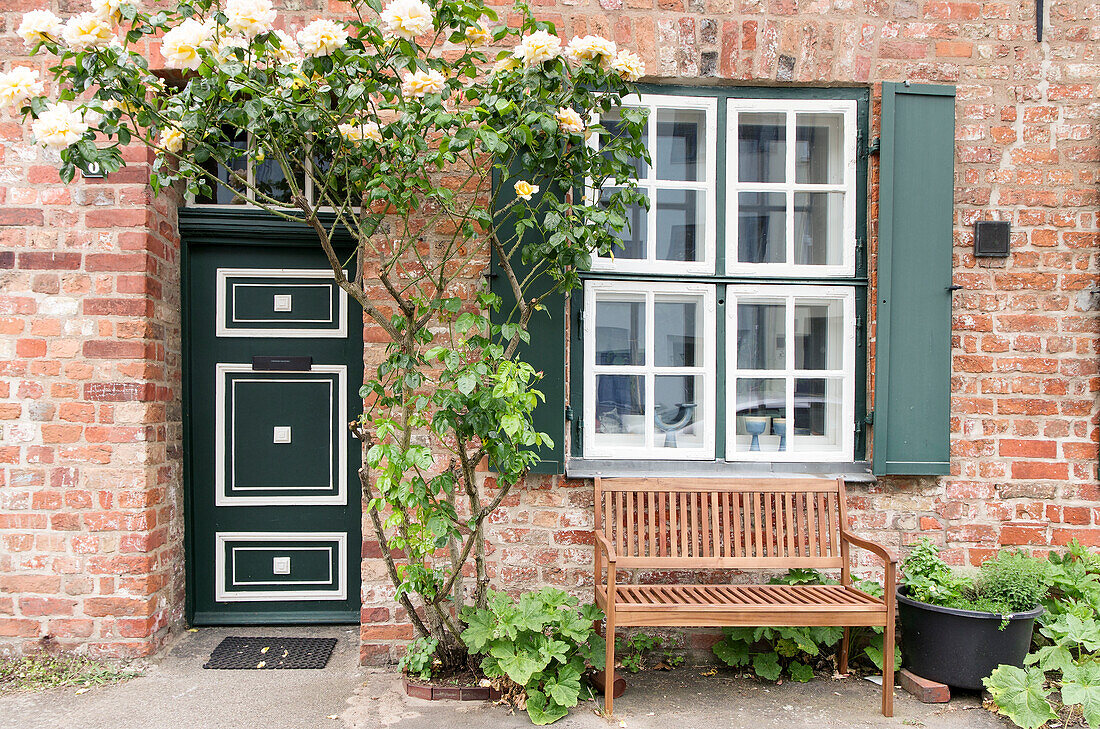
point(888, 670)
point(609, 665)
point(842, 661)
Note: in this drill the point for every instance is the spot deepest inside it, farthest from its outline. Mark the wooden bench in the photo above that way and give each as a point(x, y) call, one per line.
point(700, 524)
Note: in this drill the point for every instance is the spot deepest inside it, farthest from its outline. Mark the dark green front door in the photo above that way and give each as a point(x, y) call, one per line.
point(274, 365)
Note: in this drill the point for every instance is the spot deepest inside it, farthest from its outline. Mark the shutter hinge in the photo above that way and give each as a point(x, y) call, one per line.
point(568, 412)
point(866, 150)
point(869, 418)
point(580, 322)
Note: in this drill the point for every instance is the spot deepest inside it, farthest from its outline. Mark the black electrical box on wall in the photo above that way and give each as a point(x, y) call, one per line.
point(991, 238)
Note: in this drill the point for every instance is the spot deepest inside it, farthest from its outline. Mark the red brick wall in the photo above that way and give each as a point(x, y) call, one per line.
point(89, 459)
point(90, 530)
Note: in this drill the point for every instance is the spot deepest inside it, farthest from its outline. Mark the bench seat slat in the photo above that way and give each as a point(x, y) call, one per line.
point(747, 597)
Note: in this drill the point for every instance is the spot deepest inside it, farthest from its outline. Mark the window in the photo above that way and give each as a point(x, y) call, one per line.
point(237, 185)
point(728, 324)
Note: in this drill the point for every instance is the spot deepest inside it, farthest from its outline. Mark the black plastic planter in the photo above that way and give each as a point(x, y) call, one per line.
point(960, 647)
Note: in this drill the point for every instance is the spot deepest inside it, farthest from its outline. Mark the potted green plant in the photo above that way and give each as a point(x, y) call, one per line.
point(957, 627)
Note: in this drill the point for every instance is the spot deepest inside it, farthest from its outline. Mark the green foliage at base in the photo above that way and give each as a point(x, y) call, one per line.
point(1065, 657)
point(543, 642)
point(1013, 582)
point(419, 658)
point(36, 673)
point(633, 651)
point(772, 651)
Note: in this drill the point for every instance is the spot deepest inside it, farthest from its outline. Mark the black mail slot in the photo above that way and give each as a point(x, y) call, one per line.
point(293, 363)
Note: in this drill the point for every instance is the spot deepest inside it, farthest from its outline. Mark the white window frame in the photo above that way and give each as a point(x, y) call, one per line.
point(791, 293)
point(707, 368)
point(651, 184)
point(790, 107)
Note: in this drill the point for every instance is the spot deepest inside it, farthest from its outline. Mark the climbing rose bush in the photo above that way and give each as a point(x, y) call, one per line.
point(388, 127)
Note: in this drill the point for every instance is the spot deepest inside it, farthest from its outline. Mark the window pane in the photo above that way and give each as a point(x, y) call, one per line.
point(676, 416)
point(762, 147)
point(636, 233)
point(762, 227)
point(760, 402)
point(270, 181)
point(820, 149)
point(818, 222)
point(231, 188)
point(681, 144)
point(620, 333)
point(620, 409)
point(676, 334)
point(679, 225)
point(614, 126)
point(761, 336)
point(817, 414)
point(818, 335)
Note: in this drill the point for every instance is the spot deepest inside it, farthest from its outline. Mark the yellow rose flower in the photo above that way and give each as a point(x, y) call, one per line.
point(407, 19)
point(628, 65)
point(524, 190)
point(180, 46)
point(250, 17)
point(59, 126)
point(537, 48)
point(478, 35)
point(569, 120)
point(171, 138)
point(359, 132)
point(18, 86)
point(110, 10)
point(86, 32)
point(508, 63)
point(591, 47)
point(322, 37)
point(40, 25)
point(288, 50)
point(419, 83)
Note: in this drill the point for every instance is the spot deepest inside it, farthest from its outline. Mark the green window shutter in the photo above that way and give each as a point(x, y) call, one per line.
point(913, 341)
point(546, 350)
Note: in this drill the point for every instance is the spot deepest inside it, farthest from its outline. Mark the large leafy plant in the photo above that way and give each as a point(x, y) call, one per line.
point(542, 642)
point(1010, 583)
point(398, 118)
point(772, 652)
point(1065, 660)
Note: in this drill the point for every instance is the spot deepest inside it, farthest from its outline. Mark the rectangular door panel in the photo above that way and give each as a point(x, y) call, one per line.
point(255, 566)
point(281, 436)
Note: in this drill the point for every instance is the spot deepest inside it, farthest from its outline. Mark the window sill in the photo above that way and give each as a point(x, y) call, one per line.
point(858, 472)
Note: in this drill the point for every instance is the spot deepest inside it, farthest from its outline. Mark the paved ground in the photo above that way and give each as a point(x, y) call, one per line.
point(177, 693)
point(682, 699)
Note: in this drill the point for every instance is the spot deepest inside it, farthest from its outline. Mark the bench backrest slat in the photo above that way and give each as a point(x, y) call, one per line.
point(720, 523)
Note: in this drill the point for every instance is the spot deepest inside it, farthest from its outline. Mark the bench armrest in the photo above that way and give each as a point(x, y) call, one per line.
point(887, 555)
point(608, 549)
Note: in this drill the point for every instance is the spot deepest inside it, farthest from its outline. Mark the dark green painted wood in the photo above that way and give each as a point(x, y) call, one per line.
point(248, 240)
point(546, 350)
point(913, 347)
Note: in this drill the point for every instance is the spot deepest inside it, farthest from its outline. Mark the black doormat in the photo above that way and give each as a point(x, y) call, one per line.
point(236, 652)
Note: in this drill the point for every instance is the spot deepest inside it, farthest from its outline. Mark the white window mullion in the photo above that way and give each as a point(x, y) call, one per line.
point(789, 171)
point(650, 366)
point(789, 375)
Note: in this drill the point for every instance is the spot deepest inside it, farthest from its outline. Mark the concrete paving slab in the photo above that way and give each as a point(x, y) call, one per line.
point(681, 699)
point(175, 692)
